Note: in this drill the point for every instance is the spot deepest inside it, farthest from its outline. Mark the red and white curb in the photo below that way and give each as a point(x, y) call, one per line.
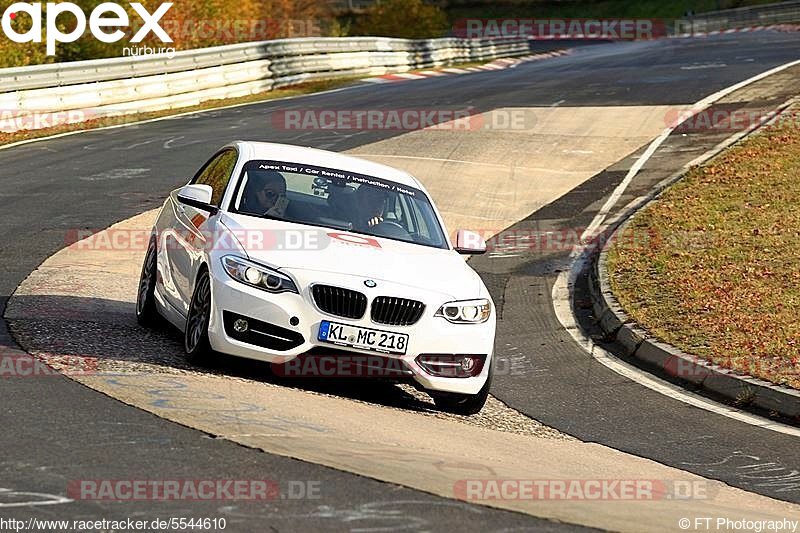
point(747, 29)
point(773, 27)
point(497, 64)
point(504, 63)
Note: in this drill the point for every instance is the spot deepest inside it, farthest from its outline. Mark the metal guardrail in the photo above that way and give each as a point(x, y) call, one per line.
point(133, 84)
point(743, 17)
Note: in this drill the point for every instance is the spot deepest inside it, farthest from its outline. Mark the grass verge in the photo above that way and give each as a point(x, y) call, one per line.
point(712, 266)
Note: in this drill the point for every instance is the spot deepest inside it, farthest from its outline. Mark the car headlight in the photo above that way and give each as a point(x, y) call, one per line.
point(257, 275)
point(466, 311)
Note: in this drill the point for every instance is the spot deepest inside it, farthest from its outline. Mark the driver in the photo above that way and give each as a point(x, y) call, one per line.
point(265, 194)
point(371, 205)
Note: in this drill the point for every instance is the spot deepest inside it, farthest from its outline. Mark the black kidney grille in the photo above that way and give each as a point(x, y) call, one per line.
point(396, 311)
point(338, 301)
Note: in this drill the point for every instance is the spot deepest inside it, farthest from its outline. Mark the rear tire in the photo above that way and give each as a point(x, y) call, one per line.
point(146, 311)
point(195, 338)
point(463, 404)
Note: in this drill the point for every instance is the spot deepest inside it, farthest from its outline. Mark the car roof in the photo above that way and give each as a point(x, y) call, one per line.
point(323, 158)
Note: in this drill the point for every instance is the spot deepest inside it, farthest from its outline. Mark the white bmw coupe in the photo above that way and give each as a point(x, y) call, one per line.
point(283, 254)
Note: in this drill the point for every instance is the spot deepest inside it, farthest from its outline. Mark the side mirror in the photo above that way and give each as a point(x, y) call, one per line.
point(469, 242)
point(198, 196)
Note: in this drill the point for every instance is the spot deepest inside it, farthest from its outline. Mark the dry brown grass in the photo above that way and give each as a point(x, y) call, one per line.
point(713, 266)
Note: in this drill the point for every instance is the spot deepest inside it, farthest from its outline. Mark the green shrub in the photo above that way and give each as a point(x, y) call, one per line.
point(409, 19)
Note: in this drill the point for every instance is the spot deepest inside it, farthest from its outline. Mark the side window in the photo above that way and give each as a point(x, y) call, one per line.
point(217, 173)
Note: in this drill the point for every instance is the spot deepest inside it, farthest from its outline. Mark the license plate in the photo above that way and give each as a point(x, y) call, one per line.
point(364, 338)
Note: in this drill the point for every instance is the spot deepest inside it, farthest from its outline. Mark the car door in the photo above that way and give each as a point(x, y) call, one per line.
point(186, 243)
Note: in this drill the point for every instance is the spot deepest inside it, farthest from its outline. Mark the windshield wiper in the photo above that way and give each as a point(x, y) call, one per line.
point(344, 227)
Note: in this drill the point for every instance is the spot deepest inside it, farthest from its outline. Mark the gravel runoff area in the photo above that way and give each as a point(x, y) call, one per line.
point(711, 266)
point(129, 349)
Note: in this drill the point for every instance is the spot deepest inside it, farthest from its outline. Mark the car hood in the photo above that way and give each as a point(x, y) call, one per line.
point(290, 246)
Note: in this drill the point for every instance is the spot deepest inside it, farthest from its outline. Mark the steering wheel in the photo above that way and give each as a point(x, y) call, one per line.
point(392, 224)
point(390, 228)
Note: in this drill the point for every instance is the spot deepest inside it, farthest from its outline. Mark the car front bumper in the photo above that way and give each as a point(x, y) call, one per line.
point(298, 317)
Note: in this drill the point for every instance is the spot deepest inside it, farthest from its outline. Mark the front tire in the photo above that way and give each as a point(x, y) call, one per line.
point(463, 404)
point(195, 338)
point(146, 311)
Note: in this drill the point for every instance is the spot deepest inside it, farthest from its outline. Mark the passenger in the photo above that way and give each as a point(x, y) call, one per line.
point(265, 194)
point(371, 206)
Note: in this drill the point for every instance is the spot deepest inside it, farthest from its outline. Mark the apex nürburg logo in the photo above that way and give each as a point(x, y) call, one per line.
point(104, 17)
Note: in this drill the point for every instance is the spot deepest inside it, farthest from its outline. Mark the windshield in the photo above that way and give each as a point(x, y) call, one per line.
point(337, 199)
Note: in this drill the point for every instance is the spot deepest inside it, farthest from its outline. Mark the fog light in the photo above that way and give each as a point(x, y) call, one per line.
point(451, 365)
point(467, 364)
point(240, 325)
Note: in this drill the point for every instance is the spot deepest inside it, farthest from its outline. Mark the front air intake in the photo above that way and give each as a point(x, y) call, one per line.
point(247, 329)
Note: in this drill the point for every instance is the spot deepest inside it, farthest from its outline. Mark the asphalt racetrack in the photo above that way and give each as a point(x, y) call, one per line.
point(598, 106)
